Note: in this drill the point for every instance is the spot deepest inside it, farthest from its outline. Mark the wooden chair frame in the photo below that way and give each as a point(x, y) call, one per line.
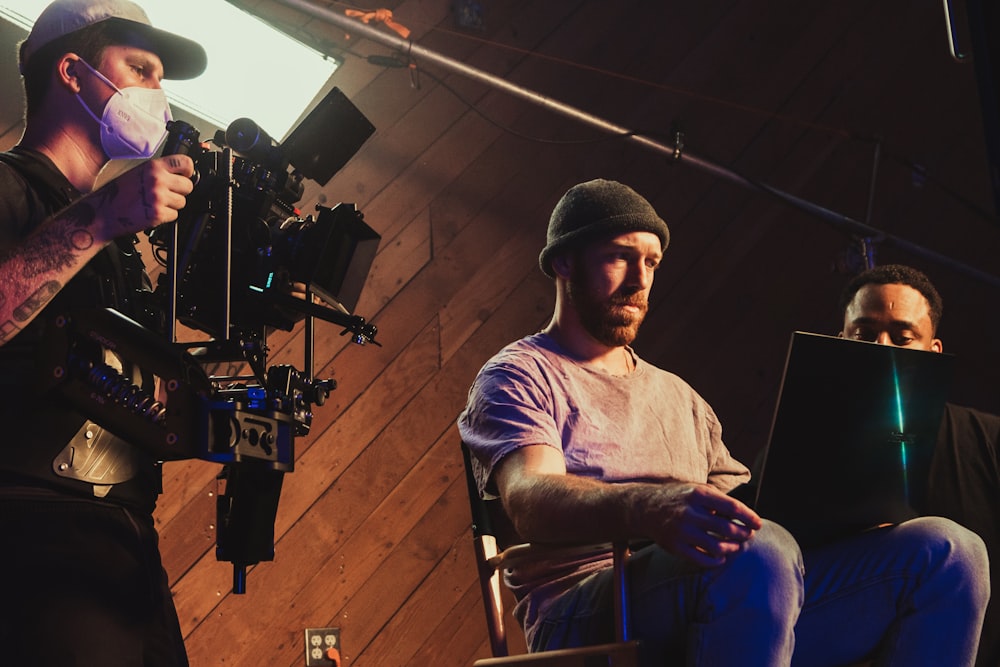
point(497, 547)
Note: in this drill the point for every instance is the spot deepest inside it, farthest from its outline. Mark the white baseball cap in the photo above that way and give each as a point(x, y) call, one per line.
point(182, 58)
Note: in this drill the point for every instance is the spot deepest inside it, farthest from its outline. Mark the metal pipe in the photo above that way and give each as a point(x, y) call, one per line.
point(674, 151)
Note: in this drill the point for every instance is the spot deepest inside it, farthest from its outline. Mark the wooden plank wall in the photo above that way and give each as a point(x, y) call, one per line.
point(373, 526)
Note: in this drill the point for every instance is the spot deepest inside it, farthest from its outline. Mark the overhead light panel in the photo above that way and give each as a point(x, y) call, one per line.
point(254, 71)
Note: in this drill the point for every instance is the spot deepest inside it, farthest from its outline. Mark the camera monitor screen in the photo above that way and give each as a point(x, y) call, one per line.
point(327, 138)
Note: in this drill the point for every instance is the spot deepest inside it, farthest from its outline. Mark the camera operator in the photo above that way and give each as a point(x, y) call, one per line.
point(80, 569)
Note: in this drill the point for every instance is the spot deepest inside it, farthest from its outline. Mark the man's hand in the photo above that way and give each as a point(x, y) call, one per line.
point(695, 521)
point(148, 195)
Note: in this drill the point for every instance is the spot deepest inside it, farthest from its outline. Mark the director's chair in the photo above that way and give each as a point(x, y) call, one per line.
point(497, 547)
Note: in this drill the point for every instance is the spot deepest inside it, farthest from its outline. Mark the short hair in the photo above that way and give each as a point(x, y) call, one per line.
point(88, 43)
point(895, 274)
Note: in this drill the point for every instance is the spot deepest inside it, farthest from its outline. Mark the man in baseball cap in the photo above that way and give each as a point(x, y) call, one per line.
point(585, 442)
point(80, 571)
point(182, 58)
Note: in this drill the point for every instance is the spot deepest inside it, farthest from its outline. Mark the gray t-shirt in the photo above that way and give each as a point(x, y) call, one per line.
point(648, 425)
point(645, 426)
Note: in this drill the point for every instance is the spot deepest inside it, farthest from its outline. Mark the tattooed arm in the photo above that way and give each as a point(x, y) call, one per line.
point(33, 270)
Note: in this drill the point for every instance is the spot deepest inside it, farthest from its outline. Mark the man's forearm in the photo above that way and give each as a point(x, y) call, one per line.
point(569, 508)
point(33, 271)
point(693, 521)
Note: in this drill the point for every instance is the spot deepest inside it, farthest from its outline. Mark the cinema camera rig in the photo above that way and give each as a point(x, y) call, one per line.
point(232, 260)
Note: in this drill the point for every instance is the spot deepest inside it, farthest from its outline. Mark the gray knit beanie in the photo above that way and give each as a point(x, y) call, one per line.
point(598, 208)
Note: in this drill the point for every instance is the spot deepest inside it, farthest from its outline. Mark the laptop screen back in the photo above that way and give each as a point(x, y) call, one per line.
point(852, 436)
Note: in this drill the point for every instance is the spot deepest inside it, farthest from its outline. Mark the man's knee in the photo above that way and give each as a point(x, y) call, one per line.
point(774, 549)
point(770, 567)
point(943, 537)
point(943, 548)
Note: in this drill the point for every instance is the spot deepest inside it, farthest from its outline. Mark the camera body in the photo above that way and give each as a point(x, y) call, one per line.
point(241, 245)
point(236, 254)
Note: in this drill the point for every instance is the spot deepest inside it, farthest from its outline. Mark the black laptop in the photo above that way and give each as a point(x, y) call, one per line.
point(853, 433)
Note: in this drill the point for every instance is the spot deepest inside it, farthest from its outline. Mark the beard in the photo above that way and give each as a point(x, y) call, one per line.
point(606, 318)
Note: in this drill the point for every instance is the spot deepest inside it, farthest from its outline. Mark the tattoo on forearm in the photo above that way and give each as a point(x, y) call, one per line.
point(144, 194)
point(37, 264)
point(55, 245)
point(36, 301)
point(106, 195)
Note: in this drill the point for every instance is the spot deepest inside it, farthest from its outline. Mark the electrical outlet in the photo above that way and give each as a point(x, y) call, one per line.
point(323, 647)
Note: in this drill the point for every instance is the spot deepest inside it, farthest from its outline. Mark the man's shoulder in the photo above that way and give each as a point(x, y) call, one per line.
point(31, 188)
point(662, 375)
point(35, 170)
point(524, 353)
point(533, 345)
point(965, 410)
point(10, 174)
point(16, 194)
point(962, 416)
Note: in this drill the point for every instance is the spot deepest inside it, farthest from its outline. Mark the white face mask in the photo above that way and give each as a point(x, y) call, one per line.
point(135, 120)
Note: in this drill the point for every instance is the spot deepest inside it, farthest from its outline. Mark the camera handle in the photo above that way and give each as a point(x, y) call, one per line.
point(362, 331)
point(176, 429)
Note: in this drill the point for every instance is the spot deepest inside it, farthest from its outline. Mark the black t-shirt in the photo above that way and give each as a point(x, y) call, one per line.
point(965, 487)
point(965, 473)
point(38, 425)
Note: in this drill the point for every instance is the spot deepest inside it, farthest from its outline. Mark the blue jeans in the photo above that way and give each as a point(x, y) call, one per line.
point(910, 595)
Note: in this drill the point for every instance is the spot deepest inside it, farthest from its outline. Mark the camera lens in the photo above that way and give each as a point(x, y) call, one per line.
point(250, 140)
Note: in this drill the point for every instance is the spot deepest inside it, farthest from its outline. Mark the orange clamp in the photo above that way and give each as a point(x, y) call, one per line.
point(380, 16)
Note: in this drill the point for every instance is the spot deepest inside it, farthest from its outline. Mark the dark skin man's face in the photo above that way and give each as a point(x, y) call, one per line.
point(893, 314)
